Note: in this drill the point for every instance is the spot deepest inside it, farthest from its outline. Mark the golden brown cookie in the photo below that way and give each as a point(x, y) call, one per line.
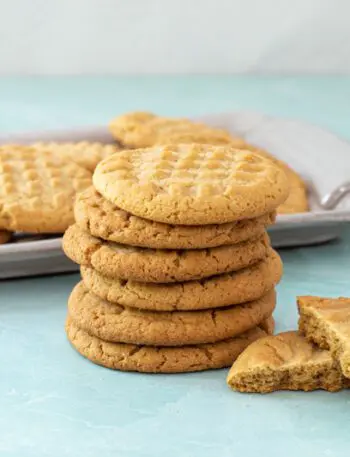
point(224, 290)
point(37, 190)
point(133, 129)
point(83, 153)
point(201, 135)
point(157, 265)
point(4, 236)
point(326, 321)
point(141, 130)
point(103, 219)
point(192, 184)
point(120, 324)
point(150, 359)
point(297, 201)
point(285, 362)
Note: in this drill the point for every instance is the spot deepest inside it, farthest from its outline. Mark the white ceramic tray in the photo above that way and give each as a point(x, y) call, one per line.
point(321, 157)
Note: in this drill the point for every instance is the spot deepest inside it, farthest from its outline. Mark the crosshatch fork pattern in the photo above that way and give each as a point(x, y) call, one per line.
point(26, 173)
point(192, 184)
point(84, 153)
point(37, 189)
point(196, 170)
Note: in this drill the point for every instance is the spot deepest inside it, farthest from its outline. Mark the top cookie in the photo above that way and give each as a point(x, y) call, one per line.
point(83, 153)
point(141, 130)
point(192, 184)
point(37, 190)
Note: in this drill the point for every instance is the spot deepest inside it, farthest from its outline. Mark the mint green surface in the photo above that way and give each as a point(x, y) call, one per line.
point(54, 403)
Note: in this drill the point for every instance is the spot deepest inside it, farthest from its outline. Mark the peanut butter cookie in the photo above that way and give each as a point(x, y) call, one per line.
point(192, 184)
point(103, 219)
point(157, 265)
point(285, 362)
point(37, 190)
point(224, 290)
point(297, 200)
point(141, 130)
point(83, 153)
point(120, 324)
point(151, 359)
point(326, 321)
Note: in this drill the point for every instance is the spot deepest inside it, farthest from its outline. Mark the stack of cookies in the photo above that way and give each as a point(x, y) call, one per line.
point(177, 270)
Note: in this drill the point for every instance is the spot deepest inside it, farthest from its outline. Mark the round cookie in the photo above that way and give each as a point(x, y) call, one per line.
point(157, 265)
point(148, 359)
point(37, 190)
point(140, 130)
point(192, 184)
point(218, 291)
point(119, 324)
point(103, 219)
point(4, 236)
point(83, 153)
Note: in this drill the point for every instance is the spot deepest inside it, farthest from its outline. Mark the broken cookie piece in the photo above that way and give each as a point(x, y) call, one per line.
point(326, 322)
point(285, 362)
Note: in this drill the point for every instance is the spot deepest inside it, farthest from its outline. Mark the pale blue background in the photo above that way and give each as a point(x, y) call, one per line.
point(54, 403)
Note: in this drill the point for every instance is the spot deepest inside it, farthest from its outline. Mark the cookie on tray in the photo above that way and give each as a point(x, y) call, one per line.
point(37, 190)
point(192, 184)
point(202, 135)
point(223, 290)
point(297, 200)
point(120, 324)
point(84, 153)
point(158, 265)
point(285, 362)
point(4, 236)
point(103, 219)
point(141, 130)
point(155, 359)
point(326, 321)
